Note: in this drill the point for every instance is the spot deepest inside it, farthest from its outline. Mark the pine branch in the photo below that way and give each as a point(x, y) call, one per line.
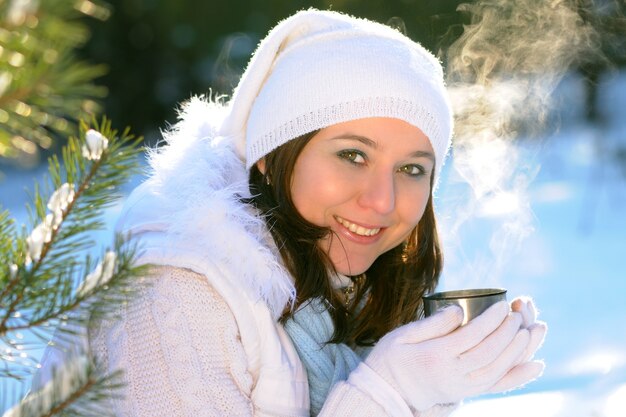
point(7, 229)
point(98, 296)
point(41, 269)
point(79, 388)
point(44, 88)
point(50, 251)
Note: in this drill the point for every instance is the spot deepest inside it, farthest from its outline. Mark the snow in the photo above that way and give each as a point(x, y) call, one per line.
point(558, 403)
point(559, 237)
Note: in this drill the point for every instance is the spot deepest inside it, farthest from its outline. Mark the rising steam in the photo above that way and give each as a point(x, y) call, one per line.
point(510, 58)
point(502, 72)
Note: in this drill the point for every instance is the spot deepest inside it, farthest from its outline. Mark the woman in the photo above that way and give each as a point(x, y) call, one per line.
point(292, 234)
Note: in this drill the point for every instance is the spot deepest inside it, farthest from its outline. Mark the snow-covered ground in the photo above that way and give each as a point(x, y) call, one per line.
point(561, 238)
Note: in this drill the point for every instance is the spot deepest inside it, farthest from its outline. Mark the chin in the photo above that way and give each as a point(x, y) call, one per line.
point(351, 270)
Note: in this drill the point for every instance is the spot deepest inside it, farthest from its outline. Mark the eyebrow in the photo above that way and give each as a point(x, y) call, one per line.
point(368, 142)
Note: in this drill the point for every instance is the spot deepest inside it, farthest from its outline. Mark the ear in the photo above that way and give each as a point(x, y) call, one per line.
point(261, 165)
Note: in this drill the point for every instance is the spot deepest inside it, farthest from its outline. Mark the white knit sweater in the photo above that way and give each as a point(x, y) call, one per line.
point(178, 345)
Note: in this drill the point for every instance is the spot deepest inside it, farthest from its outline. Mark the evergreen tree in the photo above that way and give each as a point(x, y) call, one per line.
point(44, 88)
point(42, 289)
point(50, 287)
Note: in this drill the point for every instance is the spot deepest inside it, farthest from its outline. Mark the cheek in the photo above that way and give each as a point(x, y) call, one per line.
point(313, 189)
point(412, 207)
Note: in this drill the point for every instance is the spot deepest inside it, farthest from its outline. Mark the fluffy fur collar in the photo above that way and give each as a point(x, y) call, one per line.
point(192, 200)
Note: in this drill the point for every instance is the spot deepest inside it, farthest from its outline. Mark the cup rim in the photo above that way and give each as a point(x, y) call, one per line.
point(468, 293)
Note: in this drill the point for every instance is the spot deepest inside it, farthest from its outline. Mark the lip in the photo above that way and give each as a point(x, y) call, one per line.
point(344, 231)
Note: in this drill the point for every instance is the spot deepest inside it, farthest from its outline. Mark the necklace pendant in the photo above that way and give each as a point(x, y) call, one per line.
point(350, 291)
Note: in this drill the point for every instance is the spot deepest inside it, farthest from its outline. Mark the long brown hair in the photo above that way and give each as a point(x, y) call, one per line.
point(395, 282)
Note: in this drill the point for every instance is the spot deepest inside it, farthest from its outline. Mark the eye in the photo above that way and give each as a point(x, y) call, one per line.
point(353, 156)
point(413, 170)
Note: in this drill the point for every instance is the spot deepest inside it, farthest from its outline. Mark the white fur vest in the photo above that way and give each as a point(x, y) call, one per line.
point(188, 214)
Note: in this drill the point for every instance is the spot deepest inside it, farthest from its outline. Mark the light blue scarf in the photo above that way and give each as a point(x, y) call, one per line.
point(310, 328)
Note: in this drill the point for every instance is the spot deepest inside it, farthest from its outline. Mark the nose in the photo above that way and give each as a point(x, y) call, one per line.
point(378, 193)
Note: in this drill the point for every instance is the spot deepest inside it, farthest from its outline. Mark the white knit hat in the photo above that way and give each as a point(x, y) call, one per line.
point(318, 68)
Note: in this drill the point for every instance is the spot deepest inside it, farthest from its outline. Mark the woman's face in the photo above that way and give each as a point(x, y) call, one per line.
point(367, 180)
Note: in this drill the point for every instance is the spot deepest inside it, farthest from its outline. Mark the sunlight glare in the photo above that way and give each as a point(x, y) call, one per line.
point(616, 403)
point(500, 204)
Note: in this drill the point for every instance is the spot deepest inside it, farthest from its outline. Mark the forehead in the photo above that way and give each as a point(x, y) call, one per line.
point(377, 132)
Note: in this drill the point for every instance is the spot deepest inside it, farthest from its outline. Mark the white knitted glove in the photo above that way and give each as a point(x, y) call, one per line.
point(537, 329)
point(525, 306)
point(433, 361)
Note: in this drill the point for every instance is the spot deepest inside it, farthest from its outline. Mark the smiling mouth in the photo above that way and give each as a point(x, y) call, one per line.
point(356, 229)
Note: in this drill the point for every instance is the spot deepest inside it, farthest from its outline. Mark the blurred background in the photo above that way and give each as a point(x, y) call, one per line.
point(136, 60)
point(533, 198)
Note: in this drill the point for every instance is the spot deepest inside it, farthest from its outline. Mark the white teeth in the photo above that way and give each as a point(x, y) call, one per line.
point(359, 230)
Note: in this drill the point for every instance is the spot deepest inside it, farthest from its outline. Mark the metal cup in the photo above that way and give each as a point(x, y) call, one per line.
point(472, 301)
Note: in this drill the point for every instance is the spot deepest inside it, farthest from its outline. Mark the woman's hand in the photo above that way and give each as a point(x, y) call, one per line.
point(434, 361)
